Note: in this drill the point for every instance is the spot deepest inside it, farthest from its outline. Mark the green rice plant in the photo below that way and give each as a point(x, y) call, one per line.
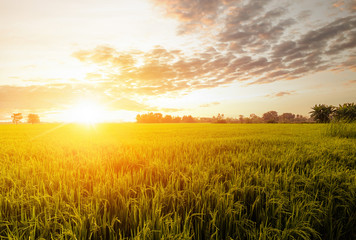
point(340, 129)
point(177, 181)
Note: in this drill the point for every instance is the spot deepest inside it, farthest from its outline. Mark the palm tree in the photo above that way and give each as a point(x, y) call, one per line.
point(321, 113)
point(346, 112)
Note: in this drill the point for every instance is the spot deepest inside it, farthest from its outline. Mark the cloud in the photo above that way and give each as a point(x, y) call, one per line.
point(255, 42)
point(129, 104)
point(345, 5)
point(41, 98)
point(194, 13)
point(162, 71)
point(305, 14)
point(170, 109)
point(158, 70)
point(317, 50)
point(250, 41)
point(36, 96)
point(280, 94)
point(210, 104)
point(93, 76)
point(351, 82)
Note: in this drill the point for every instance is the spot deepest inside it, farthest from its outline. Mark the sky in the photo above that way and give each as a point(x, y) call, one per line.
point(115, 58)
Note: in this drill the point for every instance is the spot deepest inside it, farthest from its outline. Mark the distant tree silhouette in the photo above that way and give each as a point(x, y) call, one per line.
point(149, 118)
point(16, 117)
point(188, 119)
point(241, 118)
point(167, 119)
point(321, 113)
point(33, 118)
point(287, 117)
point(270, 117)
point(177, 119)
point(255, 119)
point(220, 118)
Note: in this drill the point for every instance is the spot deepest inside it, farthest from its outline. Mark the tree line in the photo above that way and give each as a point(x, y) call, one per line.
point(31, 118)
point(320, 113)
point(268, 117)
point(159, 118)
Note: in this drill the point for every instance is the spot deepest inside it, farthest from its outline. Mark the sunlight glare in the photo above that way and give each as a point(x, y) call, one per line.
point(86, 112)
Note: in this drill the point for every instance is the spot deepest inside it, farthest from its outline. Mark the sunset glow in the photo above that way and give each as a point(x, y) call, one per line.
point(85, 111)
point(177, 119)
point(176, 57)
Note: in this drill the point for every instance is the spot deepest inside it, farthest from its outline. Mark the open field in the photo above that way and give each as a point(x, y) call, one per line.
point(176, 181)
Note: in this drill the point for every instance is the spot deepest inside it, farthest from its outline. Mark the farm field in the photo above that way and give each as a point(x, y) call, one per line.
point(176, 181)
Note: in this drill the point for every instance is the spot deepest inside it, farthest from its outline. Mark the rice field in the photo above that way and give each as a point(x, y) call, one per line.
point(176, 181)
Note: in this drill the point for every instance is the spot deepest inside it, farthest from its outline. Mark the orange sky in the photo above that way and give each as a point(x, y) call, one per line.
point(193, 57)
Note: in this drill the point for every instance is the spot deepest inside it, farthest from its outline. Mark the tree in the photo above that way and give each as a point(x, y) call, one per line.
point(220, 118)
point(241, 118)
point(149, 118)
point(188, 119)
point(177, 119)
point(300, 119)
point(270, 117)
point(321, 113)
point(254, 118)
point(16, 117)
point(346, 112)
point(167, 119)
point(287, 117)
point(138, 118)
point(33, 118)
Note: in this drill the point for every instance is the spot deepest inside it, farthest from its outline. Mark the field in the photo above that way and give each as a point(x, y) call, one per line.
point(176, 181)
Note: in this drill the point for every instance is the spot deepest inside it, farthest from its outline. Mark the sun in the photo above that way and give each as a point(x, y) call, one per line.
point(85, 111)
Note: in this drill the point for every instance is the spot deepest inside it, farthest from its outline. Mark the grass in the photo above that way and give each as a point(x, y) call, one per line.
point(339, 129)
point(176, 181)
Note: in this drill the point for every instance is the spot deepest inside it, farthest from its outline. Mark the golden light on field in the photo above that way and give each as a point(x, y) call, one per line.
point(86, 111)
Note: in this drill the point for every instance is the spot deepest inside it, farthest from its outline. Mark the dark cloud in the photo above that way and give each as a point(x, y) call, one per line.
point(239, 22)
point(247, 29)
point(241, 13)
point(252, 28)
point(194, 13)
point(304, 15)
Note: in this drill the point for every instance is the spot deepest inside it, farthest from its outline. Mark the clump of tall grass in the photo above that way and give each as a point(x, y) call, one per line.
point(341, 129)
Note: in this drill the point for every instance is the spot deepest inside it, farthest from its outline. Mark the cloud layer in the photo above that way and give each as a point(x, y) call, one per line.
point(260, 58)
point(249, 41)
point(254, 43)
point(40, 98)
